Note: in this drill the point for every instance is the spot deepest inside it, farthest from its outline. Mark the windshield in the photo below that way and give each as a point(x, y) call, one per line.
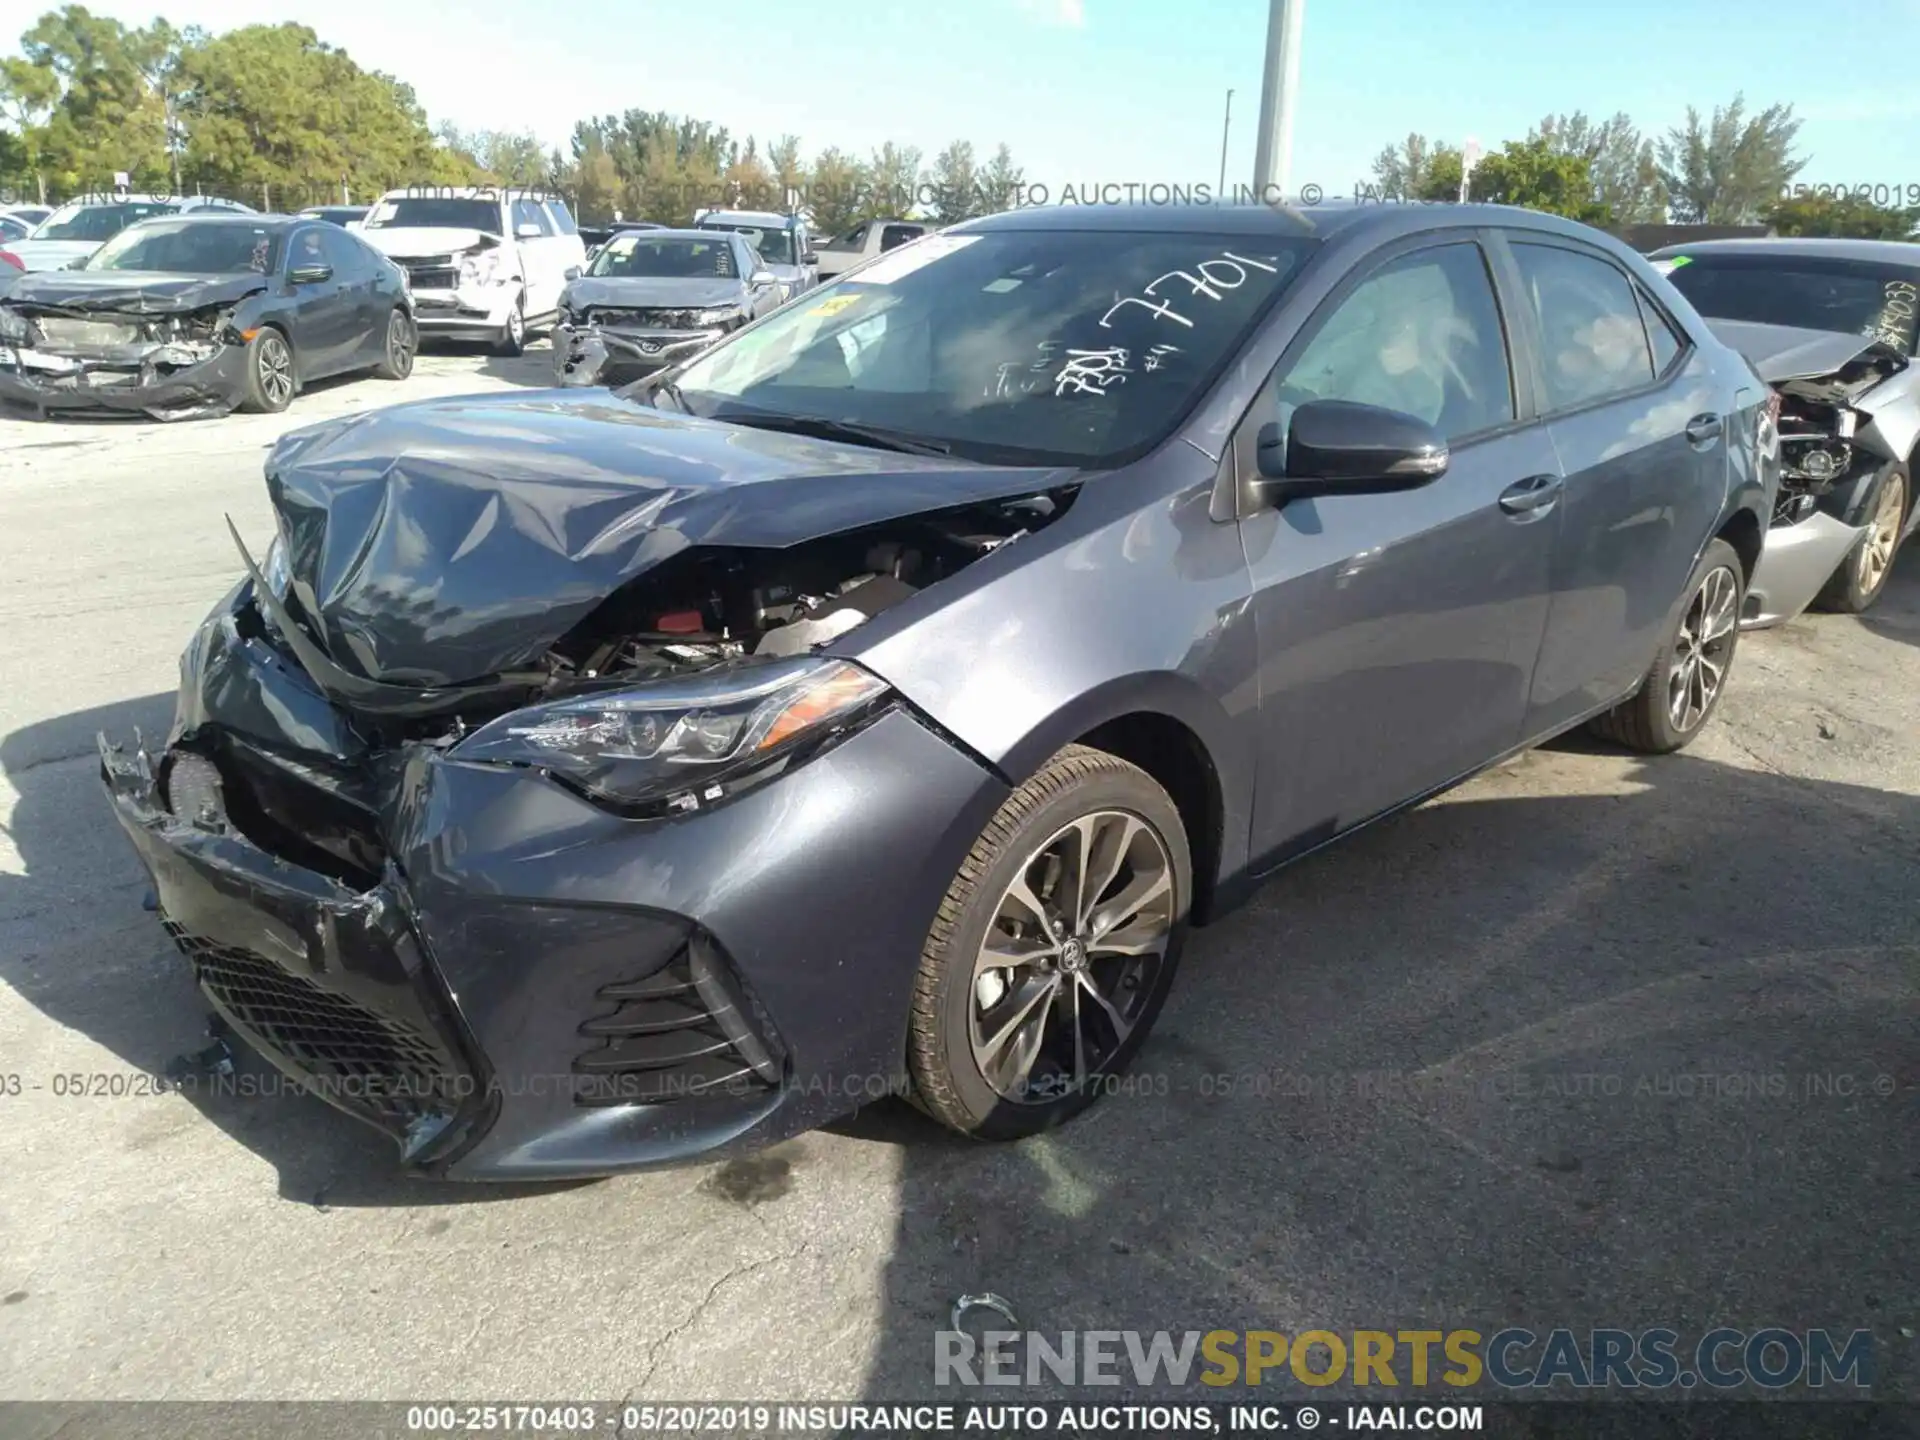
point(190, 247)
point(1050, 347)
point(775, 246)
point(1838, 295)
point(672, 256)
point(436, 213)
point(95, 222)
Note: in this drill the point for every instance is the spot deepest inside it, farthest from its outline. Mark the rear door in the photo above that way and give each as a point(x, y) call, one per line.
point(1635, 416)
point(1398, 633)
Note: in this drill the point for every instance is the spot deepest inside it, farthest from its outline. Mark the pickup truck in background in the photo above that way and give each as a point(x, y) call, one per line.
point(863, 242)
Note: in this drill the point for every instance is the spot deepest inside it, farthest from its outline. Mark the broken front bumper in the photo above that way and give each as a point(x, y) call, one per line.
point(472, 312)
point(1796, 561)
point(134, 380)
point(598, 355)
point(531, 986)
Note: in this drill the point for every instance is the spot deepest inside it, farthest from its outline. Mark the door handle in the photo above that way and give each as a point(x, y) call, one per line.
point(1523, 497)
point(1704, 429)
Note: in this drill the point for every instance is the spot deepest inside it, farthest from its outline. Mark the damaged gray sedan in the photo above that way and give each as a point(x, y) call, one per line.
point(654, 298)
point(1829, 324)
point(184, 318)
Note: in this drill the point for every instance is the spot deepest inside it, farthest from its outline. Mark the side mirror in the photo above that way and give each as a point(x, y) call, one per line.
point(1336, 447)
point(809, 257)
point(528, 231)
point(761, 279)
point(309, 274)
point(572, 273)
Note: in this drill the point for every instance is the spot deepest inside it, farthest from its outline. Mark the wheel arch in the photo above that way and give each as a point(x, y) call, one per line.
point(1744, 532)
point(1181, 736)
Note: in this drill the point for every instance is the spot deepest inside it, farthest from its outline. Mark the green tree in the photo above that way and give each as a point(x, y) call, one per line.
point(1843, 217)
point(952, 190)
point(789, 172)
point(1730, 170)
point(1531, 173)
point(1000, 183)
point(105, 120)
point(892, 183)
point(836, 191)
point(1622, 163)
point(28, 94)
point(1407, 171)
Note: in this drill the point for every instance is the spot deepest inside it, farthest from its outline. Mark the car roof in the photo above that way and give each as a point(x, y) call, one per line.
point(1868, 252)
point(228, 217)
point(1322, 221)
point(763, 219)
point(471, 192)
point(687, 232)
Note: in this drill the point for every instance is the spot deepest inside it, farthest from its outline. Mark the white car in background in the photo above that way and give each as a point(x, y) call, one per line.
point(484, 263)
point(82, 226)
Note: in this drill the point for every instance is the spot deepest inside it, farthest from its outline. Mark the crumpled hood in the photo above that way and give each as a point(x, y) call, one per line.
point(52, 254)
point(419, 242)
point(132, 292)
point(1839, 366)
point(642, 292)
point(447, 541)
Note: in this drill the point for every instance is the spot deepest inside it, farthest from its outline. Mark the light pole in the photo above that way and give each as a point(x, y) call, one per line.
point(1273, 158)
point(1226, 129)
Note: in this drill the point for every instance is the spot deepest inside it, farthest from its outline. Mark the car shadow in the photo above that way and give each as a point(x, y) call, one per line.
point(1641, 1056)
point(1897, 615)
point(532, 368)
point(77, 941)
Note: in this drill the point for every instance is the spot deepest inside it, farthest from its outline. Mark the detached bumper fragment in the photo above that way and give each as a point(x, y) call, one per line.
point(1795, 562)
point(153, 380)
point(329, 985)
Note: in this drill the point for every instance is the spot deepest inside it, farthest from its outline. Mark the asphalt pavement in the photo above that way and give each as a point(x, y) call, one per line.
point(1593, 1041)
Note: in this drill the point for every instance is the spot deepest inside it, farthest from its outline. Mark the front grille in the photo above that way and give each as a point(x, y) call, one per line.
point(630, 319)
point(65, 333)
point(360, 1060)
point(687, 1030)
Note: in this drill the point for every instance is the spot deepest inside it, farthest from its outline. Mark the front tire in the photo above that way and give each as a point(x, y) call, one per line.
point(270, 373)
point(512, 339)
point(1862, 577)
point(1682, 690)
point(1053, 951)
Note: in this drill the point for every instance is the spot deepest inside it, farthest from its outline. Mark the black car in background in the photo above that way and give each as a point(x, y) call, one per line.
point(655, 297)
point(341, 215)
point(192, 316)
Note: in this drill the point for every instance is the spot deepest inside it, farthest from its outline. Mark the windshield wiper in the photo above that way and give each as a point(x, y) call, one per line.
point(826, 429)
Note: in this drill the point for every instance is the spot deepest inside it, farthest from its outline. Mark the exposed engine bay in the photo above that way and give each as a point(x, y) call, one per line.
point(169, 366)
point(1817, 453)
point(710, 606)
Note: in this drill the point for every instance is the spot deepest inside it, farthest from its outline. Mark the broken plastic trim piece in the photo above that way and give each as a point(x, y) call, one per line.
point(372, 696)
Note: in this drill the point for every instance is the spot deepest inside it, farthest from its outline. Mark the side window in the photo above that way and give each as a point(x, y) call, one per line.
point(1665, 337)
point(1592, 342)
point(562, 217)
point(897, 235)
point(528, 212)
point(854, 238)
point(343, 253)
point(306, 249)
point(1422, 335)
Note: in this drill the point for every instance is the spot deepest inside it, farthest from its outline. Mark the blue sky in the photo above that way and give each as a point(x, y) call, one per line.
point(1095, 91)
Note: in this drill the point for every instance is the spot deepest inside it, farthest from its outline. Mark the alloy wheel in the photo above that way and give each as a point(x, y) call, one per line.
point(1702, 649)
point(1070, 958)
point(276, 370)
point(1883, 534)
point(399, 344)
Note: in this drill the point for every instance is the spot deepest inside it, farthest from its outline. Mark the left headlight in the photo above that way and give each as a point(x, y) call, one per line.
point(13, 325)
point(718, 315)
point(679, 739)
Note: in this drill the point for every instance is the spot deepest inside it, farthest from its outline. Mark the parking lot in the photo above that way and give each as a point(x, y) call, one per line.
point(1592, 1041)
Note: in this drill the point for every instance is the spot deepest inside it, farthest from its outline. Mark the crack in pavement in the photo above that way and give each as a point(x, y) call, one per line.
point(693, 1317)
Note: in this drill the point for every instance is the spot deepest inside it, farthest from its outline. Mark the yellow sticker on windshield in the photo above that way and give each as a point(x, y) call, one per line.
point(834, 304)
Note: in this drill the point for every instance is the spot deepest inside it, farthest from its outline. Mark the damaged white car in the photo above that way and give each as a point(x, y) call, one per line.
point(1830, 326)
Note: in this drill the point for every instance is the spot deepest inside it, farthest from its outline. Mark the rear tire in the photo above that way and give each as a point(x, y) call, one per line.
point(1862, 577)
point(1683, 689)
point(512, 339)
point(270, 373)
point(402, 344)
point(1099, 979)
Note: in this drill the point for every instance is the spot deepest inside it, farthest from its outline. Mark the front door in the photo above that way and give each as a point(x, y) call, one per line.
point(1398, 632)
point(323, 322)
